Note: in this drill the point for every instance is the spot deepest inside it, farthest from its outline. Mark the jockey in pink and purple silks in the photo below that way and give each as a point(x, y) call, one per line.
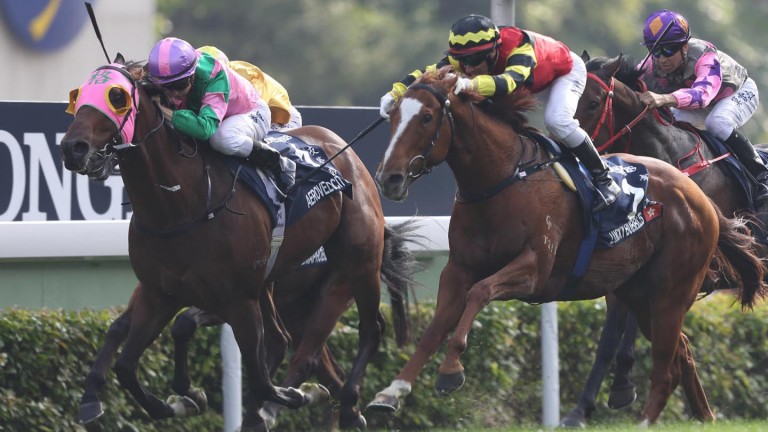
point(215, 103)
point(703, 86)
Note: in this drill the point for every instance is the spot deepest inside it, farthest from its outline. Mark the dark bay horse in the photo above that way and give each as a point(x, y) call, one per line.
point(303, 299)
point(199, 239)
point(611, 111)
point(517, 239)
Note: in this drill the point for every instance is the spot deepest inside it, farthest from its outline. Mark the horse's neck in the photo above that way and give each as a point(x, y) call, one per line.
point(654, 138)
point(164, 187)
point(484, 153)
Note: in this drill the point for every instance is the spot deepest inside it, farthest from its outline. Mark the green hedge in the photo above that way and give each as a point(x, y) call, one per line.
point(45, 356)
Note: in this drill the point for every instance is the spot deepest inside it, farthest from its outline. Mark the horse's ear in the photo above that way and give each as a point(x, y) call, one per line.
point(585, 56)
point(614, 65)
point(119, 59)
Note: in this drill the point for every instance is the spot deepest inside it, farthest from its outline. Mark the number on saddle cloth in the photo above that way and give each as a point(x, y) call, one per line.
point(631, 210)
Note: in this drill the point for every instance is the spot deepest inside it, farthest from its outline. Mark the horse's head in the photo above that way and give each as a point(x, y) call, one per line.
point(421, 130)
point(105, 107)
point(431, 124)
point(611, 82)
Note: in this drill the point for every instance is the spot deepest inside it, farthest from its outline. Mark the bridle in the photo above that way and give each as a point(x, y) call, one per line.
point(115, 144)
point(607, 116)
point(445, 111)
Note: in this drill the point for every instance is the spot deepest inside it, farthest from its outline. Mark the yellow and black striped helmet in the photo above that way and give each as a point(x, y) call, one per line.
point(471, 34)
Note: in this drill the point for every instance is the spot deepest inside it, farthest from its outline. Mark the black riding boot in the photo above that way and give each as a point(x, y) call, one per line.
point(282, 169)
point(745, 152)
point(607, 189)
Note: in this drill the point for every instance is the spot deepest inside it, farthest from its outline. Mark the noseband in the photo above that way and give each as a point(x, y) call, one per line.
point(445, 111)
point(608, 116)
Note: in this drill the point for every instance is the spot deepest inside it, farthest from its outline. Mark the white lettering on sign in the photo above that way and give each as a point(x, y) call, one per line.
point(45, 165)
point(18, 183)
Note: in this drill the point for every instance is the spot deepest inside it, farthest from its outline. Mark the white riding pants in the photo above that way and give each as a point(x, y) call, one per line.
point(560, 100)
point(727, 114)
point(237, 134)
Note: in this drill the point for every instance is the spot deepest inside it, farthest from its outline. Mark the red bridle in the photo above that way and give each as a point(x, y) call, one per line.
point(607, 115)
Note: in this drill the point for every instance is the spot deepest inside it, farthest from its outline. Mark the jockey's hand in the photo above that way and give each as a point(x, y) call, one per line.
point(386, 104)
point(464, 85)
point(167, 113)
point(655, 100)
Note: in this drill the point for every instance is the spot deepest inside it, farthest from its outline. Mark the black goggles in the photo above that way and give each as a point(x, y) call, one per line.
point(474, 59)
point(178, 85)
point(666, 51)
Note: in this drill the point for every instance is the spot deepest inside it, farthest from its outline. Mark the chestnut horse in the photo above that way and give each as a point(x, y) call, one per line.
point(611, 111)
point(197, 238)
point(515, 236)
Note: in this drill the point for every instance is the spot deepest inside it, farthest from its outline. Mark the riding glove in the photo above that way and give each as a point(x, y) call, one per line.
point(386, 105)
point(464, 85)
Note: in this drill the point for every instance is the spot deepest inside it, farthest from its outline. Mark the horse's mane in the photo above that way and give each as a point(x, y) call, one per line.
point(509, 109)
point(628, 73)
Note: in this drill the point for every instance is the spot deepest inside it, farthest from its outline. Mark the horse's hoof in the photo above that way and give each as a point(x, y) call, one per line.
point(357, 422)
point(573, 420)
point(316, 392)
point(622, 397)
point(90, 411)
point(186, 406)
point(198, 396)
point(291, 397)
point(384, 403)
point(449, 383)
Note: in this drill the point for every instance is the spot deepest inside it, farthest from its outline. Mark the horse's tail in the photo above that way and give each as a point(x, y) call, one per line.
point(397, 271)
point(738, 260)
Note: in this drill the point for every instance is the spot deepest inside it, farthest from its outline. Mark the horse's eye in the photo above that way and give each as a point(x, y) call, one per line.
point(426, 119)
point(593, 105)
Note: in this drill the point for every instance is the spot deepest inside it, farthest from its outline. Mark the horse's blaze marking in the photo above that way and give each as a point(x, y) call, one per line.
point(409, 109)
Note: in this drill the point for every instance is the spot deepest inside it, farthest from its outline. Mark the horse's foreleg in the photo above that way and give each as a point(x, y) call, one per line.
point(616, 318)
point(277, 338)
point(697, 399)
point(517, 278)
point(245, 317)
point(150, 316)
point(192, 400)
point(90, 404)
point(451, 301)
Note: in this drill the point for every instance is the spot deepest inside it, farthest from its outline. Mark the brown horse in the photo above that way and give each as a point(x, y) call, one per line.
point(199, 239)
point(611, 111)
point(303, 299)
point(515, 236)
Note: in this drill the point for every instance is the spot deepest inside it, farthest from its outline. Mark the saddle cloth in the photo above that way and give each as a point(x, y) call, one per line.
point(323, 183)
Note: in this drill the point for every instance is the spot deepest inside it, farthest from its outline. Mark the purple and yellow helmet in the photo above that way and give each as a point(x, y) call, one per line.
point(678, 33)
point(170, 60)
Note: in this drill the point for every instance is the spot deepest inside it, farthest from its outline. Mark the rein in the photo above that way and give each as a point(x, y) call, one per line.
point(519, 174)
point(608, 115)
point(210, 212)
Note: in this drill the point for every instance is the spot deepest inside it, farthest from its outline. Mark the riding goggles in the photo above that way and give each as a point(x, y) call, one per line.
point(666, 51)
point(178, 85)
point(474, 59)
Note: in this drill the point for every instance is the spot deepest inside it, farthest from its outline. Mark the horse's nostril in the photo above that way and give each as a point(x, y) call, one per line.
point(74, 153)
point(395, 179)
